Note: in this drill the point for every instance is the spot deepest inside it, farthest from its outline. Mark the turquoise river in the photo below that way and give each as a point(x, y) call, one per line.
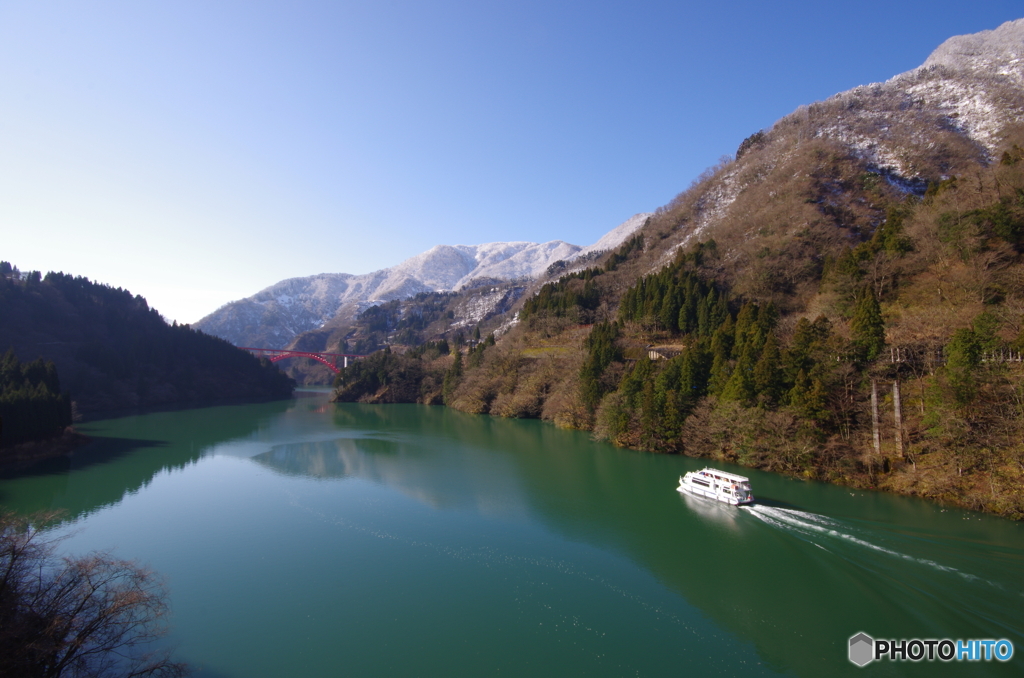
point(305, 538)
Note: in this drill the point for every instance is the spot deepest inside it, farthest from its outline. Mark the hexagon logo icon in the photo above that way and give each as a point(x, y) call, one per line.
point(861, 649)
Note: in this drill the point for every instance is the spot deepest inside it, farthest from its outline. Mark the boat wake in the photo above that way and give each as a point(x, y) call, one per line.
point(813, 526)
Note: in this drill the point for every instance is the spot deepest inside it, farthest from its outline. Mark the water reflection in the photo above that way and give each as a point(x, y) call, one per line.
point(796, 579)
point(437, 474)
point(713, 513)
point(757, 578)
point(126, 453)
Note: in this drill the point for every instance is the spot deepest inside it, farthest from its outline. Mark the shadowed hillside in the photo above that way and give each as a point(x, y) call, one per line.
point(113, 351)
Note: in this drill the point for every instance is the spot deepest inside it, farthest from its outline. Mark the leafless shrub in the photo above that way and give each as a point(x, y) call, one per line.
point(92, 615)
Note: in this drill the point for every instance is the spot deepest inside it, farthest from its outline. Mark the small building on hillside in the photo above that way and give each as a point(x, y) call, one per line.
point(663, 352)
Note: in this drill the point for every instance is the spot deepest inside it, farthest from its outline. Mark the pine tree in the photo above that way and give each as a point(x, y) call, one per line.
point(668, 316)
point(721, 350)
point(866, 327)
point(694, 373)
point(452, 377)
point(766, 319)
point(740, 386)
point(809, 397)
point(963, 356)
point(746, 321)
point(601, 352)
point(702, 315)
point(690, 311)
point(633, 385)
point(768, 373)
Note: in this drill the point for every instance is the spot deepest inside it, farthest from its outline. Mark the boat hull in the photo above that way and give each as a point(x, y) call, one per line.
point(708, 494)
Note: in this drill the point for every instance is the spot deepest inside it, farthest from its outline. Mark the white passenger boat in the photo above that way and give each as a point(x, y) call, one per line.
point(715, 484)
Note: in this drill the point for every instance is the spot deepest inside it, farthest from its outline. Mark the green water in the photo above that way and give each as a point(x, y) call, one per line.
point(304, 538)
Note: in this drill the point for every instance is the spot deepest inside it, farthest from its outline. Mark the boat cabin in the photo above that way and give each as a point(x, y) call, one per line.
point(712, 483)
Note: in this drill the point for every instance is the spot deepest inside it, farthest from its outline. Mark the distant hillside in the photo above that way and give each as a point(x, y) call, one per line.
point(273, 317)
point(280, 315)
point(113, 352)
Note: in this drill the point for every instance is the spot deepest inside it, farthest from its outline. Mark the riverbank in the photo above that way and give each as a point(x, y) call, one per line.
point(982, 471)
point(18, 457)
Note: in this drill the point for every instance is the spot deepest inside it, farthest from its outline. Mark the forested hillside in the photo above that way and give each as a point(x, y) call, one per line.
point(842, 300)
point(32, 405)
point(931, 303)
point(113, 351)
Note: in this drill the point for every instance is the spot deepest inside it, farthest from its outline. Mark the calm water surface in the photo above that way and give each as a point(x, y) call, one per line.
point(303, 538)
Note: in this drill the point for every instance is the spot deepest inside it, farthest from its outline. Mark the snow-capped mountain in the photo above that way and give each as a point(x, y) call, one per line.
point(274, 316)
point(999, 52)
point(970, 86)
point(939, 120)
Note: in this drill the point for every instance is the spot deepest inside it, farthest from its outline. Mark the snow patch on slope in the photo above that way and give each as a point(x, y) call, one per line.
point(274, 316)
point(997, 52)
point(617, 235)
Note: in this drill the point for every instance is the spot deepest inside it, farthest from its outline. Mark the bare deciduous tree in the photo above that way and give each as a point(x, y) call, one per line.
point(91, 615)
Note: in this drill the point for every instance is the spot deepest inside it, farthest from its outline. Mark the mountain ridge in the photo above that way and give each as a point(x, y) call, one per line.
point(276, 315)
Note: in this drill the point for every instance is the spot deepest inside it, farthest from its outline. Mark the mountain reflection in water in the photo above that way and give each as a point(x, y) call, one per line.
point(513, 546)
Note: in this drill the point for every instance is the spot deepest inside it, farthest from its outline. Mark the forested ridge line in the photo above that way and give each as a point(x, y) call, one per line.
point(114, 352)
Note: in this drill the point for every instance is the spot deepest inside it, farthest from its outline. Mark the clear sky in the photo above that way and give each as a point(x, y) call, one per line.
point(197, 152)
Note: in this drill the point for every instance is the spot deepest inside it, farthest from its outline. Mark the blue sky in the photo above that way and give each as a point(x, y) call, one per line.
point(196, 152)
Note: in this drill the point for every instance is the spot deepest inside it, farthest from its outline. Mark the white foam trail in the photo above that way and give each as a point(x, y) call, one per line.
point(813, 523)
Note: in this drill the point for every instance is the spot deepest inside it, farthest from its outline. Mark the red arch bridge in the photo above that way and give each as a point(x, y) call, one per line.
point(329, 359)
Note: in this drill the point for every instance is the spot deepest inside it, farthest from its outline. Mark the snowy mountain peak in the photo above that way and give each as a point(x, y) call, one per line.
point(274, 316)
point(445, 268)
point(996, 51)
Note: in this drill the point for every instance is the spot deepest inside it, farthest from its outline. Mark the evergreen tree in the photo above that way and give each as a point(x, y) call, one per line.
point(632, 386)
point(799, 354)
point(601, 352)
point(32, 406)
point(651, 415)
point(740, 386)
point(866, 327)
point(768, 382)
point(694, 371)
point(668, 316)
point(721, 352)
point(889, 236)
point(671, 423)
point(963, 357)
point(766, 319)
point(452, 377)
point(746, 324)
point(809, 397)
point(717, 312)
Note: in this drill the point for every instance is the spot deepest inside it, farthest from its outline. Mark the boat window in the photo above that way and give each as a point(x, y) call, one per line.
point(700, 482)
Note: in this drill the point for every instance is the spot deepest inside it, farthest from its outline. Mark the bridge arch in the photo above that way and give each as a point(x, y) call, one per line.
point(331, 360)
